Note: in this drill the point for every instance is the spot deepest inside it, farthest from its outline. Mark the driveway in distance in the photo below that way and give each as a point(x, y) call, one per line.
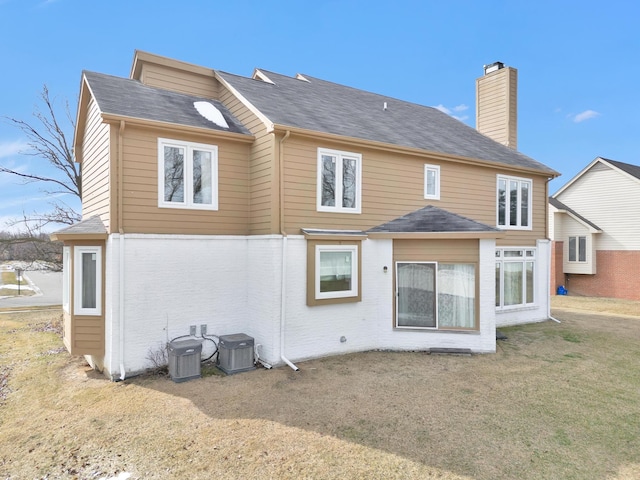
point(48, 287)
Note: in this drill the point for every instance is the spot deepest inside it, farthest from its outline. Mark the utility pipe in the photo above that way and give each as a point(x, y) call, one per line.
point(283, 287)
point(121, 250)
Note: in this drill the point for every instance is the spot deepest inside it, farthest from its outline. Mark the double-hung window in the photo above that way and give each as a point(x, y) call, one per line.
point(432, 182)
point(515, 275)
point(514, 203)
point(578, 249)
point(339, 181)
point(87, 279)
point(187, 175)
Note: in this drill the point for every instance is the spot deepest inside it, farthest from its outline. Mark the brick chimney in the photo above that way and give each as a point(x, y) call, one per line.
point(497, 104)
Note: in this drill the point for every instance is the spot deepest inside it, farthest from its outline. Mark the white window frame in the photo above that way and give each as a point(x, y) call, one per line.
point(189, 148)
point(518, 226)
point(577, 238)
point(339, 156)
point(353, 292)
point(66, 278)
point(78, 280)
point(436, 169)
point(528, 255)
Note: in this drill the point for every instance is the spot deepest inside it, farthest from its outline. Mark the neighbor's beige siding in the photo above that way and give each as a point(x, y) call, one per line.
point(263, 169)
point(181, 81)
point(141, 213)
point(95, 166)
point(497, 106)
point(393, 185)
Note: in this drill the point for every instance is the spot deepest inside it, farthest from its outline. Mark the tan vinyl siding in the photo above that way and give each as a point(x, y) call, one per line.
point(95, 166)
point(496, 106)
point(263, 167)
point(393, 185)
point(181, 81)
point(447, 251)
point(141, 213)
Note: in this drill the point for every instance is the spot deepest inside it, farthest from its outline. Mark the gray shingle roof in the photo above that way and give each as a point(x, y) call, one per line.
point(328, 107)
point(633, 170)
point(91, 225)
point(432, 219)
point(561, 206)
point(130, 98)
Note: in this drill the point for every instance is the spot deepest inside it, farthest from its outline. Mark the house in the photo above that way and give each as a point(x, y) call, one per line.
point(316, 218)
point(594, 222)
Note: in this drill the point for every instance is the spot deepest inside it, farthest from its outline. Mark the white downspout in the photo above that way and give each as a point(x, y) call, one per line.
point(283, 281)
point(549, 284)
point(121, 253)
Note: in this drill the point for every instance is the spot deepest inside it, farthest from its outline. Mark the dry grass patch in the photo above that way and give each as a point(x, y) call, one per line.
point(556, 401)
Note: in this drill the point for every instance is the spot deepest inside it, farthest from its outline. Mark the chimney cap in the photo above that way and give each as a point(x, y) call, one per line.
point(493, 67)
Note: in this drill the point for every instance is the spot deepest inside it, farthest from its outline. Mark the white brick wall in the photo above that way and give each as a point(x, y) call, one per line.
point(233, 285)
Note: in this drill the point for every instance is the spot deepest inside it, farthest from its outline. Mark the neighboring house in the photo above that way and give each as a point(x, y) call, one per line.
point(317, 218)
point(594, 222)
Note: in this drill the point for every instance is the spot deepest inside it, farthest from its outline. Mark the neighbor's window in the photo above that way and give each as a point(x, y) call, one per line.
point(339, 181)
point(188, 175)
point(435, 295)
point(432, 182)
point(87, 280)
point(514, 202)
point(515, 277)
point(336, 271)
point(577, 249)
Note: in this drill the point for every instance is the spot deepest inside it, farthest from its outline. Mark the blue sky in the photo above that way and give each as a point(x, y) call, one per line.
point(578, 61)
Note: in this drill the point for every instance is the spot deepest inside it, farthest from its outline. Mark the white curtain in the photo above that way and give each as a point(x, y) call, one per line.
point(456, 295)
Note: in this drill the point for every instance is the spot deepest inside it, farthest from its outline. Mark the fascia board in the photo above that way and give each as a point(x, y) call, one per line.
point(113, 118)
point(350, 141)
point(252, 108)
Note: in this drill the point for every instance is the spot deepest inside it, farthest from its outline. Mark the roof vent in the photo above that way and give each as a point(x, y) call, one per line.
point(493, 67)
point(211, 113)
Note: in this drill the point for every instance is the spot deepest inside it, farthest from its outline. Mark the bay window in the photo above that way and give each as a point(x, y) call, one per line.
point(87, 270)
point(515, 277)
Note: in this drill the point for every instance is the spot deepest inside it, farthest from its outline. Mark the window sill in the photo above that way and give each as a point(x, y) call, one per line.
point(517, 308)
point(472, 331)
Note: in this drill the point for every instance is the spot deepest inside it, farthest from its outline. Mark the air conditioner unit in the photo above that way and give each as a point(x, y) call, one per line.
point(184, 359)
point(235, 353)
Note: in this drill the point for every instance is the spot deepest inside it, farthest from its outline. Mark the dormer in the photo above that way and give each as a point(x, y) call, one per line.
point(169, 74)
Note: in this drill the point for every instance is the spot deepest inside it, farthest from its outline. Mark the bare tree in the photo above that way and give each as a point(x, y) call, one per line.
point(47, 142)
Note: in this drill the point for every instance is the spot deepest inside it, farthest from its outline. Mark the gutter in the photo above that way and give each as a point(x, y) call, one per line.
point(283, 289)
